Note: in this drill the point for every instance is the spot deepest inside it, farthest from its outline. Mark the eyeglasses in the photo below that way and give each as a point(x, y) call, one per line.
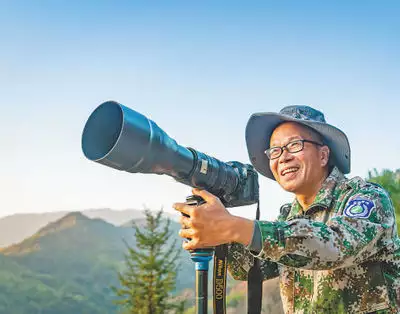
point(292, 147)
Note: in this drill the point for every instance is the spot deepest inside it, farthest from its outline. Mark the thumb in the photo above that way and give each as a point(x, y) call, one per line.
point(207, 196)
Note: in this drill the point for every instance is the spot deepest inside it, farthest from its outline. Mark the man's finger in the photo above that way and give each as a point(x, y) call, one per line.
point(185, 222)
point(183, 208)
point(186, 233)
point(207, 196)
point(190, 245)
point(187, 246)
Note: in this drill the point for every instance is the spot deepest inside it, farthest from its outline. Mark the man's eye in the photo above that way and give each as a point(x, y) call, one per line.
point(294, 145)
point(274, 151)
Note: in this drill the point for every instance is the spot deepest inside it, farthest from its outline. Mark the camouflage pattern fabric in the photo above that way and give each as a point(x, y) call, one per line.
point(341, 255)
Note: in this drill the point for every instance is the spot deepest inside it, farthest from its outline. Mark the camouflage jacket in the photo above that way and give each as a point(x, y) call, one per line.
point(341, 255)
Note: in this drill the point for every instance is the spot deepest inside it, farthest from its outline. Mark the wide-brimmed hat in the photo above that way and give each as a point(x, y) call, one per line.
point(261, 125)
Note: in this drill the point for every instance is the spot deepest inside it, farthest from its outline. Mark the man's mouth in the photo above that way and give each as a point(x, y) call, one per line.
point(289, 170)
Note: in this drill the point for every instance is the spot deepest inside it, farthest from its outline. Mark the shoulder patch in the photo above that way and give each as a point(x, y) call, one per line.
point(359, 208)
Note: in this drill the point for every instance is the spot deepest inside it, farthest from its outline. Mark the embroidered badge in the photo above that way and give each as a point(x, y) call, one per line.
point(359, 208)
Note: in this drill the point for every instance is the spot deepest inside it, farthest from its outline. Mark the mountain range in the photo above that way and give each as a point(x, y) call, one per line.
point(70, 266)
point(17, 227)
point(67, 262)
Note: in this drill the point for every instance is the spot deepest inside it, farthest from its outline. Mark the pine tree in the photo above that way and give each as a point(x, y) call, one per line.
point(151, 268)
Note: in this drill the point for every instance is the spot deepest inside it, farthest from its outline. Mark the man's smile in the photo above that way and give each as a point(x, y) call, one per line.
point(288, 170)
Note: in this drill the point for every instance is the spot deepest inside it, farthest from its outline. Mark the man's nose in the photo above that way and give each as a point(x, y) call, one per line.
point(285, 155)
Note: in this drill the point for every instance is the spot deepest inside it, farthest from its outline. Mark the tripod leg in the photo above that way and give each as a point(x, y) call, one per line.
point(201, 291)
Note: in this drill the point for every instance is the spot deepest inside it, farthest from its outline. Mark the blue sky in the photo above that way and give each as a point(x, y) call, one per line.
point(199, 70)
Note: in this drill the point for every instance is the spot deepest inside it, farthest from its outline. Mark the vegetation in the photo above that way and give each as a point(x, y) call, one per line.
point(151, 268)
point(66, 267)
point(390, 181)
point(70, 265)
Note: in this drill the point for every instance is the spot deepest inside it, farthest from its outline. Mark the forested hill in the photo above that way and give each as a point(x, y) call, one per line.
point(69, 266)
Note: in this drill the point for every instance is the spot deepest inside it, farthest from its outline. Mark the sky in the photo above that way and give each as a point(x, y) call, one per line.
point(199, 69)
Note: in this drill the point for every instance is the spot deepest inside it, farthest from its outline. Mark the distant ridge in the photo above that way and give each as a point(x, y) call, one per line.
point(15, 228)
point(68, 221)
point(51, 233)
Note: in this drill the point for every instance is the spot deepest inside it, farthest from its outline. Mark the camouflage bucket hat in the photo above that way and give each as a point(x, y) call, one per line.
point(261, 125)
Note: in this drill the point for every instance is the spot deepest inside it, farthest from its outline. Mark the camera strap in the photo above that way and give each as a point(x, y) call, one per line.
point(254, 282)
point(219, 278)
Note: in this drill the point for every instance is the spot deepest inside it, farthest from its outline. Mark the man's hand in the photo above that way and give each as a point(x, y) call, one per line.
point(210, 224)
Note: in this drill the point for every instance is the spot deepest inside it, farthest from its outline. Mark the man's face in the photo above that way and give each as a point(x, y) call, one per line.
point(298, 172)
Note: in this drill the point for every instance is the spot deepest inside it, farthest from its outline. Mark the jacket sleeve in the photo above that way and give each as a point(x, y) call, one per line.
point(363, 225)
point(240, 260)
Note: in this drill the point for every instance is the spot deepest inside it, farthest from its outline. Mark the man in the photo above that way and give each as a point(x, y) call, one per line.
point(335, 247)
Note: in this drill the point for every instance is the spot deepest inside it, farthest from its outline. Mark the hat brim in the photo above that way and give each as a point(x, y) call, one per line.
point(261, 125)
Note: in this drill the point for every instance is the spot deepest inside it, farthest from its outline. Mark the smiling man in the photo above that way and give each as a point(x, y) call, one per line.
point(335, 247)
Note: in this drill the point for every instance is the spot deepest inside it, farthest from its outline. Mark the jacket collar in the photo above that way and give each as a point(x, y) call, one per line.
point(324, 196)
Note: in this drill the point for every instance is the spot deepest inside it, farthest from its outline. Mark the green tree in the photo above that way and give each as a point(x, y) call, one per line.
point(390, 181)
point(150, 275)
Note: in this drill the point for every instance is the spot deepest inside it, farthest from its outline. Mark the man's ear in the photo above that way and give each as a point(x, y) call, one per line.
point(325, 152)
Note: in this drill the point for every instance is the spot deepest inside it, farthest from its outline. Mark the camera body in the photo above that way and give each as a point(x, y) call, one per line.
point(247, 191)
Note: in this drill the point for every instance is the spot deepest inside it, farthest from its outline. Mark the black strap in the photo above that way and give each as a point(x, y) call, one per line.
point(254, 282)
point(219, 278)
point(254, 285)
